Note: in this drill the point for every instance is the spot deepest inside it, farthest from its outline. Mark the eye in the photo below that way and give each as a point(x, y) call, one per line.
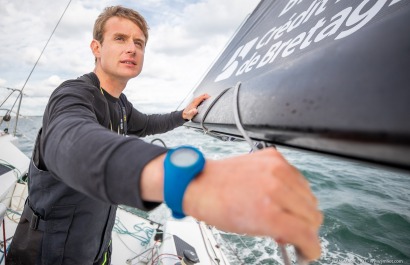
point(139, 44)
point(119, 38)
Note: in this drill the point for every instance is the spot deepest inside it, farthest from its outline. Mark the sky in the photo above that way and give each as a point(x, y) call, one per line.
point(186, 37)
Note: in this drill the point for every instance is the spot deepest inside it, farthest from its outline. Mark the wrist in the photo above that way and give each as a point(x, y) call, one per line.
point(181, 167)
point(193, 201)
point(185, 116)
point(201, 194)
point(152, 180)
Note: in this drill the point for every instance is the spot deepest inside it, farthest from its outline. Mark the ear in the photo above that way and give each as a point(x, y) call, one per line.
point(95, 48)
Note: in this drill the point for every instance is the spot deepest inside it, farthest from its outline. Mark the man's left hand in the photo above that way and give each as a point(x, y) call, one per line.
point(191, 110)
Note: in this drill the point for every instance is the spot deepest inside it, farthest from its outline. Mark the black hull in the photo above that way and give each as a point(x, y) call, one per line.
point(322, 76)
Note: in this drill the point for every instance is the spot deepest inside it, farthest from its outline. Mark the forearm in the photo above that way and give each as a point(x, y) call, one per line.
point(258, 194)
point(142, 124)
point(152, 180)
point(95, 161)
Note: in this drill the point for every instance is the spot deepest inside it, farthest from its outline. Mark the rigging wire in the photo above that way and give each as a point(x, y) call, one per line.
point(233, 250)
point(238, 118)
point(4, 240)
point(38, 59)
point(213, 259)
point(250, 250)
point(9, 95)
point(45, 46)
point(7, 116)
point(254, 148)
point(206, 131)
point(285, 256)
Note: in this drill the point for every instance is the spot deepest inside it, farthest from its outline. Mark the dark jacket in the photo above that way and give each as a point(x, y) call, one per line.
point(82, 167)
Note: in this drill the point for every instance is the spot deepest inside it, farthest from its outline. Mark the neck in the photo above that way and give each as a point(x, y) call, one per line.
point(111, 85)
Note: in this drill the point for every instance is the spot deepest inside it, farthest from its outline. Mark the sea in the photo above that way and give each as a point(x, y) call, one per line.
point(366, 208)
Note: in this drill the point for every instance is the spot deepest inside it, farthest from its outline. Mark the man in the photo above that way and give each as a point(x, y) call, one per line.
point(83, 167)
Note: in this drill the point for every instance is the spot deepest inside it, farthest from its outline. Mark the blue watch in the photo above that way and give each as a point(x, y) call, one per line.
point(181, 165)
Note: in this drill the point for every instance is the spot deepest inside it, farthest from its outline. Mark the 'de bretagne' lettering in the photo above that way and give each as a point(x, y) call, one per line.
point(283, 41)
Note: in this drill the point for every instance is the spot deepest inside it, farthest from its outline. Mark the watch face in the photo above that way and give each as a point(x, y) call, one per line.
point(184, 157)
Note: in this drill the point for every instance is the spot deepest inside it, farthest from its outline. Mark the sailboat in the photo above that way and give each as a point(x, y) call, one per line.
point(136, 238)
point(325, 76)
point(320, 76)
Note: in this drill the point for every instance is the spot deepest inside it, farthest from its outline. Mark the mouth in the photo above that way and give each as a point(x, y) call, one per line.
point(130, 62)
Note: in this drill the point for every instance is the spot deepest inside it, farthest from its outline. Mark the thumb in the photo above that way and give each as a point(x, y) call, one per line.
point(189, 114)
point(193, 112)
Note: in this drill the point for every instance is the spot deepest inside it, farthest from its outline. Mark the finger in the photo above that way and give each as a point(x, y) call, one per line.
point(290, 190)
point(296, 204)
point(300, 185)
point(291, 176)
point(205, 96)
point(289, 229)
point(303, 181)
point(199, 99)
point(299, 177)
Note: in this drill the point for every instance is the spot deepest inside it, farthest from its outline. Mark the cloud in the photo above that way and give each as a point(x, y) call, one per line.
point(185, 38)
point(182, 48)
point(214, 17)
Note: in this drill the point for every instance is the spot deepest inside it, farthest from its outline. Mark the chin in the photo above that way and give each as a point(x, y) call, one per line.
point(130, 75)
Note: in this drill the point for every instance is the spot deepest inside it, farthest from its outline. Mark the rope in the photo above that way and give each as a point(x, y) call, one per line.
point(146, 232)
point(129, 210)
point(139, 255)
point(15, 170)
point(285, 256)
point(238, 118)
point(209, 108)
point(176, 257)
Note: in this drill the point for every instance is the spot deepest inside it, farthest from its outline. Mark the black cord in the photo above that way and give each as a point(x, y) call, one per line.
point(159, 140)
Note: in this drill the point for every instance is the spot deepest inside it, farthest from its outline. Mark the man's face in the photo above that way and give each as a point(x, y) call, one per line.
point(122, 51)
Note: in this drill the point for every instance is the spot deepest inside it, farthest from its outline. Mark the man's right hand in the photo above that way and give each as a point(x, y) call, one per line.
point(258, 194)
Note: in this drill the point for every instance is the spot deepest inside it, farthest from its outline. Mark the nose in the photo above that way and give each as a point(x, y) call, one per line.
point(130, 48)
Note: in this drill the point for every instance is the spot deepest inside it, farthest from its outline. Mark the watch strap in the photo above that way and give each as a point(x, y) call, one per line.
point(177, 179)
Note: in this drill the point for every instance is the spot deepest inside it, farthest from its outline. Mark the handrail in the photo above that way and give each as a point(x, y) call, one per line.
point(8, 110)
point(20, 96)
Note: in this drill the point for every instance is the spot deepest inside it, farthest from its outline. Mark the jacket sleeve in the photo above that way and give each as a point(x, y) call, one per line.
point(88, 157)
point(147, 124)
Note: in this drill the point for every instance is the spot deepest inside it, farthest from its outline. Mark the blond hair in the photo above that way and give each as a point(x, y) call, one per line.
point(118, 11)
